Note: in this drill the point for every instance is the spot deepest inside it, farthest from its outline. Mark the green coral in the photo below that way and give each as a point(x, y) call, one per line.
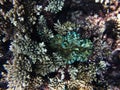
point(71, 47)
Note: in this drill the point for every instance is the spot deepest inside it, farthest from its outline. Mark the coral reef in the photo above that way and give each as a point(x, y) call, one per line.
point(60, 44)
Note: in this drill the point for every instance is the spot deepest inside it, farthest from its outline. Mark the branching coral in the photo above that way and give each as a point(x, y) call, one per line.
point(65, 27)
point(42, 29)
point(24, 45)
point(73, 85)
point(22, 70)
point(78, 85)
point(86, 72)
point(30, 60)
point(55, 6)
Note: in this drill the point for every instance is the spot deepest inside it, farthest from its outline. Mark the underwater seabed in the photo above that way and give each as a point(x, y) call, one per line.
point(59, 44)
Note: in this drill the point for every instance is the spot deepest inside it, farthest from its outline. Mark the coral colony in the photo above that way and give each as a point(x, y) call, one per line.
point(59, 44)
